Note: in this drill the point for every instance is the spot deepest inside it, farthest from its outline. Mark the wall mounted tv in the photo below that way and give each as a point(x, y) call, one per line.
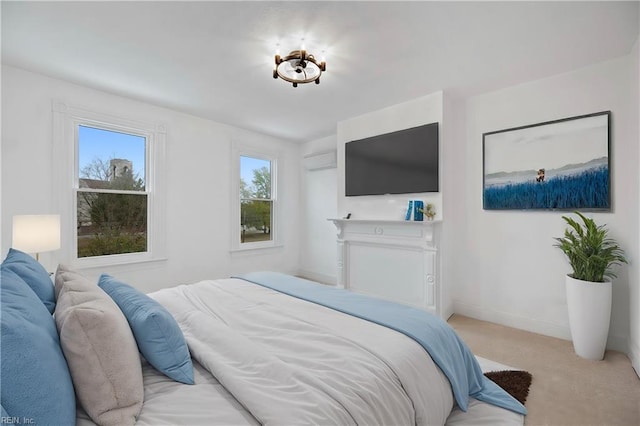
point(401, 162)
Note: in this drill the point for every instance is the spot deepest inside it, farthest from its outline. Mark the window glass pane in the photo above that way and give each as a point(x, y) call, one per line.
point(110, 160)
point(255, 178)
point(255, 221)
point(111, 223)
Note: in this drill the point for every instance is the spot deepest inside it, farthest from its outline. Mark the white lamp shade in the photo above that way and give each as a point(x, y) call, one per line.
point(36, 233)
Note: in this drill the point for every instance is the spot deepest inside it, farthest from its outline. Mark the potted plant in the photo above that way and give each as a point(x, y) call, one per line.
point(591, 254)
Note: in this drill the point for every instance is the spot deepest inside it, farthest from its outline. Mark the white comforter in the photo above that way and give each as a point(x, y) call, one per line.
point(289, 361)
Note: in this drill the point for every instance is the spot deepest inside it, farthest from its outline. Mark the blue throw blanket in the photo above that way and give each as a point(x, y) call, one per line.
point(446, 348)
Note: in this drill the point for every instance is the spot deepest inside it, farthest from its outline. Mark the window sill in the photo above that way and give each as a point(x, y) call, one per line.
point(256, 248)
point(119, 264)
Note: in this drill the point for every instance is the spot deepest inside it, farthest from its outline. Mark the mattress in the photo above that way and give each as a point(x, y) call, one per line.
point(208, 403)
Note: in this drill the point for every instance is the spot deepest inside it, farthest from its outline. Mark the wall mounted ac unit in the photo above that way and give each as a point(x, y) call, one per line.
point(321, 160)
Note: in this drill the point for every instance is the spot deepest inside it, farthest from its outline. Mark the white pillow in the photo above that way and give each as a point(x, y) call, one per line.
point(100, 350)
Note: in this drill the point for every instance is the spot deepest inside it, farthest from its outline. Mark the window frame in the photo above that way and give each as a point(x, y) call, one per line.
point(238, 151)
point(67, 121)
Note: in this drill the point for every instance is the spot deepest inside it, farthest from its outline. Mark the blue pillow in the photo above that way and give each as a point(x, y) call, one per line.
point(157, 333)
point(36, 383)
point(34, 274)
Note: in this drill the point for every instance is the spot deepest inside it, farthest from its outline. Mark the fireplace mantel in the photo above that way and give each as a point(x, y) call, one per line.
point(391, 259)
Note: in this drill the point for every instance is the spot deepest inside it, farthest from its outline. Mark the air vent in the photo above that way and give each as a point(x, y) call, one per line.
point(320, 160)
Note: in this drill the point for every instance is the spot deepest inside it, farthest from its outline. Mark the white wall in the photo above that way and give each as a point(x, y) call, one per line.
point(453, 165)
point(197, 180)
point(1, 233)
point(634, 300)
point(318, 200)
point(424, 110)
point(508, 270)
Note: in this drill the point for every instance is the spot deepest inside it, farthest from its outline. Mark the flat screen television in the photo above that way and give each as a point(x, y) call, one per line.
point(401, 162)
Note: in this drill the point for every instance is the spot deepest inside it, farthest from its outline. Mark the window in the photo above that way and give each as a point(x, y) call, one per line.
point(108, 187)
point(111, 197)
point(254, 200)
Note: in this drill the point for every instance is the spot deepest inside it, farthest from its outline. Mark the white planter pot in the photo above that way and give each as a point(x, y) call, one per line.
point(589, 306)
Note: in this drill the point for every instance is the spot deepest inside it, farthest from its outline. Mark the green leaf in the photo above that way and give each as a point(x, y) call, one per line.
point(591, 253)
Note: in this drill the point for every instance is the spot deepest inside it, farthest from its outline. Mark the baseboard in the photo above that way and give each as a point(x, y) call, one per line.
point(511, 320)
point(314, 276)
point(533, 325)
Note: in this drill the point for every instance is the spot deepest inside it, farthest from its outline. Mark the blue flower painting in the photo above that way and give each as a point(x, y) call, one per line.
point(557, 165)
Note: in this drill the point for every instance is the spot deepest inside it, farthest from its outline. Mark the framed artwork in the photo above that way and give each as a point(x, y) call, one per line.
point(556, 165)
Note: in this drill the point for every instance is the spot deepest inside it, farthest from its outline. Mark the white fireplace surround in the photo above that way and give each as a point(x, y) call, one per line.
point(393, 260)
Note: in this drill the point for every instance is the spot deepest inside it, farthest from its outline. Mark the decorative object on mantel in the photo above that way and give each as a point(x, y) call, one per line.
point(429, 211)
point(418, 206)
point(417, 209)
point(591, 255)
point(299, 67)
point(556, 165)
point(409, 211)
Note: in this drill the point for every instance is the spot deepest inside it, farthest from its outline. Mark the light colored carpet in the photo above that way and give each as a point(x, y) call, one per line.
point(566, 389)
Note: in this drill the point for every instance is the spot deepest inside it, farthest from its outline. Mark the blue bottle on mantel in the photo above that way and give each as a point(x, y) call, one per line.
point(418, 207)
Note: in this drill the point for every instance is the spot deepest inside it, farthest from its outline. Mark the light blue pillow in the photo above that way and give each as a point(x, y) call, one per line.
point(34, 274)
point(36, 383)
point(157, 333)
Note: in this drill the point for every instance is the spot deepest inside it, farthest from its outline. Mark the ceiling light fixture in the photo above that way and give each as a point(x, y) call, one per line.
point(299, 67)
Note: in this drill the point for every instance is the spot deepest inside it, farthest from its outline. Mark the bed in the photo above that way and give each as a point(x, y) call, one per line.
point(267, 348)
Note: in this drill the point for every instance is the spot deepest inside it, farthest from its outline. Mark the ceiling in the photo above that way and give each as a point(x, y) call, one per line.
point(215, 59)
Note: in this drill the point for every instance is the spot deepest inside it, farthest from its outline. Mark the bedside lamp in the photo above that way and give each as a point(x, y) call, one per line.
point(36, 233)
